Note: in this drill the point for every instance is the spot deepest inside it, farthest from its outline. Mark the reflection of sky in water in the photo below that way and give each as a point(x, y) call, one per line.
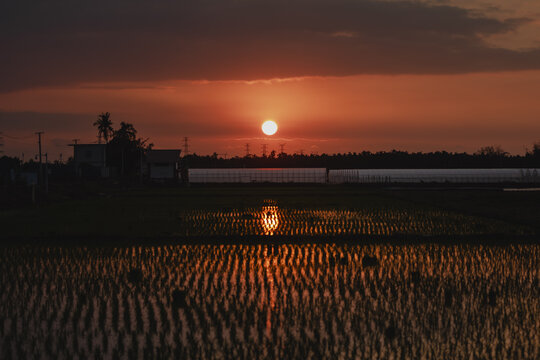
point(269, 219)
point(275, 301)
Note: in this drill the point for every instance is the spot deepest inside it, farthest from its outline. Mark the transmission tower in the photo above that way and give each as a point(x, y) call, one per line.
point(247, 150)
point(186, 146)
point(264, 147)
point(282, 148)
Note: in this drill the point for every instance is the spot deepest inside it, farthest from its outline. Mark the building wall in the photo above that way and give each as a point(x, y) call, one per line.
point(162, 171)
point(89, 154)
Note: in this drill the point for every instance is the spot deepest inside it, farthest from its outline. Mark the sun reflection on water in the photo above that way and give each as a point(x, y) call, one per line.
point(270, 222)
point(270, 219)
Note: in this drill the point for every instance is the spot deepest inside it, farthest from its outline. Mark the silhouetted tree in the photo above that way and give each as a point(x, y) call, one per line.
point(536, 150)
point(487, 157)
point(126, 133)
point(491, 151)
point(104, 126)
point(125, 151)
point(533, 156)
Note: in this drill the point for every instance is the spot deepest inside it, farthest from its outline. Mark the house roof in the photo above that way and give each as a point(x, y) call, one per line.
point(163, 156)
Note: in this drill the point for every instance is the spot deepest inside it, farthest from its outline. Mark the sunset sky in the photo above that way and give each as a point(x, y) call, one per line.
point(336, 75)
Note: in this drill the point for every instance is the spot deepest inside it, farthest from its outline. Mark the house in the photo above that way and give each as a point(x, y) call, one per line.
point(91, 160)
point(163, 164)
point(29, 178)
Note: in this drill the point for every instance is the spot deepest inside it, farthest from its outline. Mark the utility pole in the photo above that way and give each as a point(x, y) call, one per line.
point(264, 146)
point(247, 150)
point(282, 148)
point(122, 164)
point(46, 173)
point(141, 165)
point(40, 175)
point(77, 167)
point(186, 146)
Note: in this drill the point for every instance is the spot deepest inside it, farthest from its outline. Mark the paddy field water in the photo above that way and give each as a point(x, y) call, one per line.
point(258, 272)
point(271, 301)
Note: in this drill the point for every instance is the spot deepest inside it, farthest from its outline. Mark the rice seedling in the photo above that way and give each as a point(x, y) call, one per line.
point(272, 220)
point(281, 301)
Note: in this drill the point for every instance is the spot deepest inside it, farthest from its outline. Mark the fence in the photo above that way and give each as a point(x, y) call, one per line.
point(284, 175)
point(364, 176)
point(472, 176)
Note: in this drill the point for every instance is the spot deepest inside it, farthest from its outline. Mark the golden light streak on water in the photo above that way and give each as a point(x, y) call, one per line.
point(269, 266)
point(269, 219)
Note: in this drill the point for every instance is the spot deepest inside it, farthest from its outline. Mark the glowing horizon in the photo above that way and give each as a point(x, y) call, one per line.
point(339, 76)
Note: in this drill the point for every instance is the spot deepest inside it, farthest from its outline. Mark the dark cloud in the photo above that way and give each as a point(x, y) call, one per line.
point(28, 122)
point(63, 42)
point(192, 120)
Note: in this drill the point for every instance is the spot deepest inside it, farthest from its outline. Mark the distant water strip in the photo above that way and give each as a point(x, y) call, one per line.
point(522, 189)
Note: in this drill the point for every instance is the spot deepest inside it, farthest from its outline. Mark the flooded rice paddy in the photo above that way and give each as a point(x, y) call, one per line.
point(271, 301)
point(270, 219)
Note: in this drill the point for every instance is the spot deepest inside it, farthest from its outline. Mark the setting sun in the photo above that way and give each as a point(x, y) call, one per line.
point(269, 127)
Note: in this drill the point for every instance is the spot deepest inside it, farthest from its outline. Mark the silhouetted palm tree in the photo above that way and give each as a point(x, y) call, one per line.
point(126, 133)
point(104, 126)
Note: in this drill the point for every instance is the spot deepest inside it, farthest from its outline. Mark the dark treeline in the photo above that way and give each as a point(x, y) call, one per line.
point(488, 157)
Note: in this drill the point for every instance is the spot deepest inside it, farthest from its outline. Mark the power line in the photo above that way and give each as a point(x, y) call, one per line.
point(4, 136)
point(18, 137)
